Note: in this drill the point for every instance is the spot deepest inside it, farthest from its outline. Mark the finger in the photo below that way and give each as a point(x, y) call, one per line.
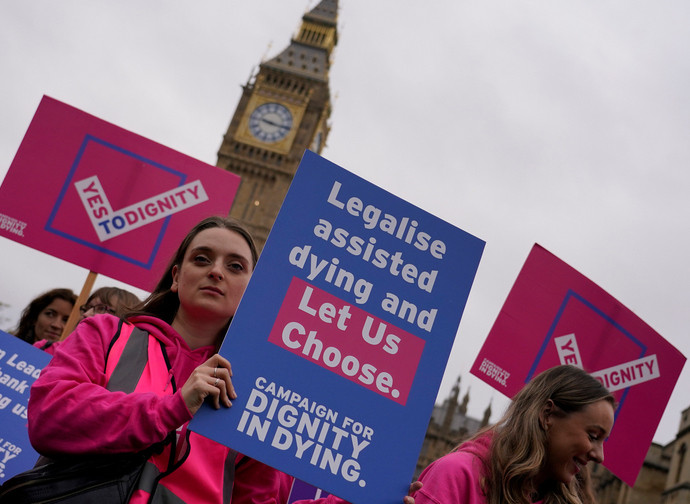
point(222, 363)
point(230, 390)
point(219, 390)
point(216, 392)
point(224, 372)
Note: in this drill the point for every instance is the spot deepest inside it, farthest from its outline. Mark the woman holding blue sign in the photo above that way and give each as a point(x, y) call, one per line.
point(538, 451)
point(112, 387)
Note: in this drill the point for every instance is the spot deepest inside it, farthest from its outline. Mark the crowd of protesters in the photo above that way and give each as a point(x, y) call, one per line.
point(538, 452)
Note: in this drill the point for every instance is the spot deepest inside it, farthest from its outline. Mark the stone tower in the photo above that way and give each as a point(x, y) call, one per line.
point(448, 426)
point(284, 109)
point(678, 480)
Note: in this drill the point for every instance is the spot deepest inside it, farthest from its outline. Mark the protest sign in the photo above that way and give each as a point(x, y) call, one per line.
point(103, 198)
point(301, 490)
point(555, 315)
point(20, 365)
point(342, 336)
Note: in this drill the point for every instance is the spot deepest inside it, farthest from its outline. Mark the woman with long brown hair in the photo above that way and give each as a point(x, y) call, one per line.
point(537, 452)
point(121, 386)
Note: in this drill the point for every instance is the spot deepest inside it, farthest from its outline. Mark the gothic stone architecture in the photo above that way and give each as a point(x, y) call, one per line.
point(283, 110)
point(449, 425)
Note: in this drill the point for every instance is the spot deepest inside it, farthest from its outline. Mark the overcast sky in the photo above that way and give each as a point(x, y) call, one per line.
point(561, 123)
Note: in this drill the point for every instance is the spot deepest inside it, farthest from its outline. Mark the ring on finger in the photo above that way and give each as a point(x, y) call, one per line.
point(215, 383)
point(215, 372)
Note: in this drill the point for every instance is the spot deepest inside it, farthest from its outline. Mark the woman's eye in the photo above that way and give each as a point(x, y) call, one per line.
point(50, 313)
point(235, 266)
point(201, 259)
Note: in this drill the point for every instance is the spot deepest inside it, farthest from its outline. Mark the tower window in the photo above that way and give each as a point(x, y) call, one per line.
point(681, 460)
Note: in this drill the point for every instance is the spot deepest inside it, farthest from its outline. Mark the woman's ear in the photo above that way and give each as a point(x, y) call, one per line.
point(546, 413)
point(174, 285)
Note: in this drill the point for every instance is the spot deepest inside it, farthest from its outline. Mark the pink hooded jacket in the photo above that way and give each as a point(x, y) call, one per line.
point(71, 412)
point(456, 478)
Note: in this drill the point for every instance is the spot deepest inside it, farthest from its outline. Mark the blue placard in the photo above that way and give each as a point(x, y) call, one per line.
point(342, 337)
point(301, 490)
point(20, 365)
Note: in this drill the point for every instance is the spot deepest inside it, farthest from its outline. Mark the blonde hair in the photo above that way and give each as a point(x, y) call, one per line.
point(518, 444)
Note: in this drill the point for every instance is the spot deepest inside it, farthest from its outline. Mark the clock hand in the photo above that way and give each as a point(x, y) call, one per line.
point(268, 121)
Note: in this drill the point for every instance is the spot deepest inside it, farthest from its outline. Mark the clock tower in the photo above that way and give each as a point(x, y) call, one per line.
point(283, 110)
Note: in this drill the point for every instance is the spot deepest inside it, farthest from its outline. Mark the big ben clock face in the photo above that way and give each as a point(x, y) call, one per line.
point(270, 122)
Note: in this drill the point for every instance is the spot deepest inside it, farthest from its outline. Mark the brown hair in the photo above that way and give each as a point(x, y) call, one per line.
point(120, 300)
point(27, 321)
point(162, 302)
point(518, 445)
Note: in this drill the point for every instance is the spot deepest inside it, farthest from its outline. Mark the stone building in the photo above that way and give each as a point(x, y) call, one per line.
point(448, 426)
point(663, 479)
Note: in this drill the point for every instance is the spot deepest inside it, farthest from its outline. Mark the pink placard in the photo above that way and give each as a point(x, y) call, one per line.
point(555, 315)
point(104, 198)
point(347, 340)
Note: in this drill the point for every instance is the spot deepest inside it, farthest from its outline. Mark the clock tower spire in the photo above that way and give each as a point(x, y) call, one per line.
point(284, 109)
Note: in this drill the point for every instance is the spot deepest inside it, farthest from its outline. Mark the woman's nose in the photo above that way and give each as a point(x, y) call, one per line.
point(216, 271)
point(597, 453)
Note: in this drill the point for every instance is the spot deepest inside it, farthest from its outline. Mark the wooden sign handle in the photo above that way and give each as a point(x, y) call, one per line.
point(83, 296)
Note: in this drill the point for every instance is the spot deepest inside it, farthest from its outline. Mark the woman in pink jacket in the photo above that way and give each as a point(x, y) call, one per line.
point(118, 387)
point(538, 451)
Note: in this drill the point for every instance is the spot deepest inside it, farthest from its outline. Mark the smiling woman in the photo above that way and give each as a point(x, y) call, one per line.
point(538, 451)
point(45, 317)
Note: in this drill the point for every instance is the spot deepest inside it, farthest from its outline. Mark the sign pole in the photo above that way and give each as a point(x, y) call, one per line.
point(83, 296)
